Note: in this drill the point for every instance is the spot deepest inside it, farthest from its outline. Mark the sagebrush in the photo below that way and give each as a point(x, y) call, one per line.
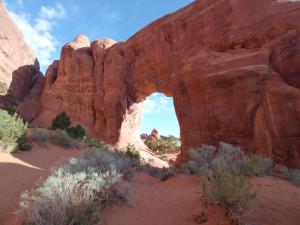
point(223, 183)
point(226, 155)
point(57, 137)
point(77, 192)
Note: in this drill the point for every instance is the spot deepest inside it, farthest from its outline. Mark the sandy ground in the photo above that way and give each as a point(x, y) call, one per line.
point(278, 202)
point(22, 171)
point(152, 202)
point(172, 202)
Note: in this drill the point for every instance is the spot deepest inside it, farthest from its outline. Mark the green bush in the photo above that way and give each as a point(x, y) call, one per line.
point(25, 144)
point(77, 132)
point(61, 121)
point(257, 166)
point(94, 143)
point(76, 193)
point(132, 153)
point(163, 145)
point(12, 129)
point(40, 136)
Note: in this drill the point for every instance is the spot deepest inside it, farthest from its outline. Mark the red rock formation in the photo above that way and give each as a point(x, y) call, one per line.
point(19, 68)
point(231, 66)
point(154, 135)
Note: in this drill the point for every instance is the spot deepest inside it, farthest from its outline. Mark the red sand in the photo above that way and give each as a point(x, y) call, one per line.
point(23, 171)
point(278, 202)
point(172, 202)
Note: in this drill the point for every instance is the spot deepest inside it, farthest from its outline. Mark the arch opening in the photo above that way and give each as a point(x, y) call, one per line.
point(160, 129)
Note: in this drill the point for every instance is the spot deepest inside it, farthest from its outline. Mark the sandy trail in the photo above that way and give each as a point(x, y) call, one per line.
point(22, 171)
point(172, 202)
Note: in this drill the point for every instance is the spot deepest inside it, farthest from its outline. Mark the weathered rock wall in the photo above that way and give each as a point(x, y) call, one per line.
point(231, 66)
point(19, 68)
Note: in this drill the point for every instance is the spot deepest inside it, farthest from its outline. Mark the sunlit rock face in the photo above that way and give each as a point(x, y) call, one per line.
point(232, 68)
point(19, 68)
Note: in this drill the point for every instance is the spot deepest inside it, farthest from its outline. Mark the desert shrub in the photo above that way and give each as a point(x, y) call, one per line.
point(57, 137)
point(223, 182)
point(257, 166)
point(133, 154)
point(102, 159)
point(200, 159)
point(160, 173)
point(224, 187)
point(61, 121)
point(61, 138)
point(226, 155)
point(173, 142)
point(3, 88)
point(94, 143)
point(25, 144)
point(163, 145)
point(228, 188)
point(206, 157)
point(77, 192)
point(12, 129)
point(76, 132)
point(292, 175)
point(10, 104)
point(295, 176)
point(40, 136)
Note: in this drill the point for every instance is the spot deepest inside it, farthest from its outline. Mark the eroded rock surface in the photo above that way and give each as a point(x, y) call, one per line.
point(231, 66)
point(19, 68)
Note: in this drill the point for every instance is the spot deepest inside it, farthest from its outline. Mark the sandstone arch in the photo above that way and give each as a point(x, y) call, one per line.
point(232, 68)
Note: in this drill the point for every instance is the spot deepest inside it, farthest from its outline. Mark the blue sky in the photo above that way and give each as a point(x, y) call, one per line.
point(47, 25)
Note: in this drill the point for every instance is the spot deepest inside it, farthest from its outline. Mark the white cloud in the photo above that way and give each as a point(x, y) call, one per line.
point(56, 12)
point(38, 32)
point(43, 25)
point(158, 104)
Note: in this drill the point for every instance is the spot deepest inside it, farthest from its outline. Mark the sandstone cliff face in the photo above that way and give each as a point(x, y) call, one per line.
point(231, 66)
point(19, 68)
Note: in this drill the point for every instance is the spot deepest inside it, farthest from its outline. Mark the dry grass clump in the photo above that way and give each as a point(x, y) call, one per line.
point(76, 193)
point(57, 137)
